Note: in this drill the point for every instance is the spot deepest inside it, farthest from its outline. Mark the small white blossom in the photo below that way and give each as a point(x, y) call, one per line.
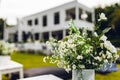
point(82, 66)
point(109, 55)
point(103, 55)
point(102, 17)
point(104, 38)
point(68, 68)
point(98, 58)
point(74, 66)
point(105, 61)
point(95, 34)
point(79, 57)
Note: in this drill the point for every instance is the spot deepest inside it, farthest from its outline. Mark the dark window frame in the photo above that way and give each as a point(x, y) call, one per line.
point(57, 18)
point(29, 22)
point(44, 21)
point(36, 21)
point(70, 14)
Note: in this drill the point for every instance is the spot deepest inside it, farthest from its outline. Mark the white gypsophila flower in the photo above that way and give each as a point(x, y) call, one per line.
point(82, 66)
point(44, 59)
point(110, 47)
point(60, 64)
point(103, 55)
point(104, 38)
point(105, 61)
point(74, 66)
point(70, 41)
point(68, 68)
point(98, 58)
point(109, 55)
point(102, 17)
point(116, 56)
point(95, 34)
point(79, 57)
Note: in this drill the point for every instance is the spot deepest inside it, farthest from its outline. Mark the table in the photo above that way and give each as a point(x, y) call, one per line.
point(43, 77)
point(11, 67)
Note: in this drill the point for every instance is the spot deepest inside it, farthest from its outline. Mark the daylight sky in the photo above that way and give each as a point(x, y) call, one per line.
point(12, 9)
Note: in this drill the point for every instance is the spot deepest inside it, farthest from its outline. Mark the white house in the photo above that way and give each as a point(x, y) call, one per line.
point(51, 23)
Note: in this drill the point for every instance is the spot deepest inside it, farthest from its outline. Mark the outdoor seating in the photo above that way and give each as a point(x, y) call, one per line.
point(59, 72)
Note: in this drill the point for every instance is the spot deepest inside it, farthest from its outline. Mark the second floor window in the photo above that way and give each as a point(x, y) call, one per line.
point(30, 22)
point(89, 18)
point(36, 21)
point(44, 20)
point(70, 14)
point(56, 18)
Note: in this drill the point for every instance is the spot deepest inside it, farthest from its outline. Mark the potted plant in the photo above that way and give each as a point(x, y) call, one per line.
point(83, 52)
point(5, 50)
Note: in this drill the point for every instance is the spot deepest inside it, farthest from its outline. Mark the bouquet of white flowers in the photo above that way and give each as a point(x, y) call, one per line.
point(6, 48)
point(83, 50)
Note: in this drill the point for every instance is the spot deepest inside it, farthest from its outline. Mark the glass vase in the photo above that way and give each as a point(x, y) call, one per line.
point(86, 74)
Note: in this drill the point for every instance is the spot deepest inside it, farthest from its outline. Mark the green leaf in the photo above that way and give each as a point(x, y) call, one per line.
point(106, 30)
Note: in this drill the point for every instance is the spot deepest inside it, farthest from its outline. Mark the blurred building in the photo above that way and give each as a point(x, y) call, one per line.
point(51, 23)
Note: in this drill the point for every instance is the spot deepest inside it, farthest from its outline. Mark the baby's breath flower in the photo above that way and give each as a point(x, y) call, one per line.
point(79, 57)
point(81, 50)
point(74, 66)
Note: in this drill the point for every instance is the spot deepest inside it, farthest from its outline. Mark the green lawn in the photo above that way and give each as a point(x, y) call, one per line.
point(30, 60)
point(36, 60)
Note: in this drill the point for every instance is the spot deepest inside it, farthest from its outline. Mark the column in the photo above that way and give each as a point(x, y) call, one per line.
point(5, 33)
point(19, 35)
point(76, 13)
point(33, 37)
point(40, 36)
point(64, 33)
point(50, 34)
point(93, 17)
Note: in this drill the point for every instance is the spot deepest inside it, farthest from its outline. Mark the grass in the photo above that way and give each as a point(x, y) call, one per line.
point(36, 60)
point(30, 60)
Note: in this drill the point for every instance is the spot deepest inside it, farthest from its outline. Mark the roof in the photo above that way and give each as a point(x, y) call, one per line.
point(74, 1)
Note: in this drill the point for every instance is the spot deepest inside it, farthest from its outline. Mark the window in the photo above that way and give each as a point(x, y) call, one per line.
point(45, 36)
point(89, 18)
point(56, 18)
point(36, 21)
point(44, 20)
point(80, 13)
point(36, 36)
point(30, 22)
point(70, 14)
